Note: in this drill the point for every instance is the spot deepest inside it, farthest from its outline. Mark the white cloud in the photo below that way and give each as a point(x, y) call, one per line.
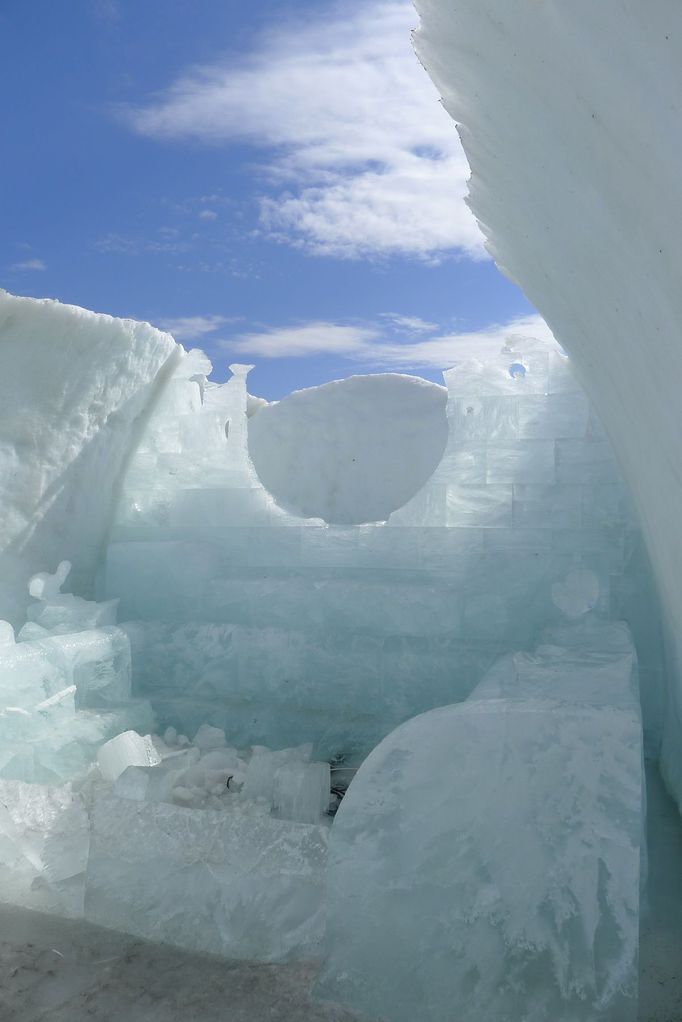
point(410, 324)
point(189, 328)
point(29, 264)
point(447, 349)
point(207, 214)
point(364, 160)
point(376, 345)
point(316, 338)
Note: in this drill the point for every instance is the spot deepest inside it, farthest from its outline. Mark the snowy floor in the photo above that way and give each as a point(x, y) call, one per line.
point(660, 951)
point(68, 972)
point(62, 971)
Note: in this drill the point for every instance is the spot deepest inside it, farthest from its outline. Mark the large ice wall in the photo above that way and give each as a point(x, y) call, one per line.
point(569, 115)
point(283, 629)
point(73, 387)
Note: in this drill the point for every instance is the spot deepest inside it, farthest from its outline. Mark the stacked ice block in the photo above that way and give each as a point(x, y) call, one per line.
point(283, 629)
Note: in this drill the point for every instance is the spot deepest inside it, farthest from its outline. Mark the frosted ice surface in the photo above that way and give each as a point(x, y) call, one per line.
point(487, 854)
point(208, 737)
point(577, 594)
point(78, 416)
point(352, 450)
point(126, 749)
point(234, 883)
point(44, 837)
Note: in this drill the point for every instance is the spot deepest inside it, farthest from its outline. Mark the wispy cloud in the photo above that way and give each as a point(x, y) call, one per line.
point(191, 328)
point(318, 338)
point(29, 264)
point(362, 159)
point(410, 324)
point(121, 244)
point(378, 344)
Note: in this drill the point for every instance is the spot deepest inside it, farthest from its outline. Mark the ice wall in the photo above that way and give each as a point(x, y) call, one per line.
point(73, 386)
point(569, 115)
point(281, 629)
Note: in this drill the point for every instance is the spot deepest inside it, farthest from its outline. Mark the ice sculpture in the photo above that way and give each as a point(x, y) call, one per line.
point(545, 104)
point(487, 855)
point(270, 648)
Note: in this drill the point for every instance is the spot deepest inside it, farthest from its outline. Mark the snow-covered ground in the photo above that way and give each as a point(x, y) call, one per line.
point(55, 970)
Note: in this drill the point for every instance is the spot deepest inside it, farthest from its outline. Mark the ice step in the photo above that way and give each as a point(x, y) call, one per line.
point(391, 677)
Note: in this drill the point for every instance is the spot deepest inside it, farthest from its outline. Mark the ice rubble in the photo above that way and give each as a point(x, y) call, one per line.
point(568, 113)
point(285, 644)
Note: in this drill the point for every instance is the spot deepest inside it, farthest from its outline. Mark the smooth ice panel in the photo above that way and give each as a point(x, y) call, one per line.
point(548, 416)
point(479, 506)
point(520, 461)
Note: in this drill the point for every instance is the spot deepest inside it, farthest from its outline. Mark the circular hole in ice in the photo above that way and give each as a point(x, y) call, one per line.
point(351, 451)
point(517, 370)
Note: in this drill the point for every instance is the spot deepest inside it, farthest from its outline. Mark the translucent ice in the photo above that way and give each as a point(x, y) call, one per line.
point(487, 855)
point(234, 883)
point(44, 838)
point(126, 749)
point(301, 791)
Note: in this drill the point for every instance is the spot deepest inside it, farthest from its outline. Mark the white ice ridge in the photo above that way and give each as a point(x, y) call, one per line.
point(73, 385)
point(569, 115)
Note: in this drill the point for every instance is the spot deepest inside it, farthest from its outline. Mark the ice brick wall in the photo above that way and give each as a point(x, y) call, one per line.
point(284, 629)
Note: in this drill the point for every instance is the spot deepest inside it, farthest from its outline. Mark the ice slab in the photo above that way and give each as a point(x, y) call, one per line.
point(301, 791)
point(44, 839)
point(125, 750)
point(236, 883)
point(501, 837)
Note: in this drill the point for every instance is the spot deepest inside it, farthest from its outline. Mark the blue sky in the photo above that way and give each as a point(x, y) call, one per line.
point(273, 181)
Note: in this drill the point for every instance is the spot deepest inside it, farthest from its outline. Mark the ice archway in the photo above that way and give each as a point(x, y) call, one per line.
point(570, 117)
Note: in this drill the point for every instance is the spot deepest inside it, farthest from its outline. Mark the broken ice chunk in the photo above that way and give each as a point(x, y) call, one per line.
point(45, 586)
point(154, 783)
point(208, 737)
point(126, 749)
point(302, 791)
point(260, 773)
point(44, 839)
point(6, 634)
